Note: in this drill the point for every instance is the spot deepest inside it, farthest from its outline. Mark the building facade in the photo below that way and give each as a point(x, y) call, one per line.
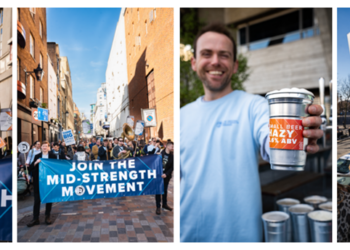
point(6, 71)
point(117, 81)
point(53, 118)
point(149, 46)
point(67, 96)
point(56, 126)
point(32, 93)
point(100, 111)
point(77, 124)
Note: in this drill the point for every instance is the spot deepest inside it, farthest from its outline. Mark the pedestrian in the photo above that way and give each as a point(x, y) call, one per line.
point(80, 155)
point(33, 152)
point(87, 152)
point(145, 147)
point(94, 151)
point(168, 167)
point(119, 149)
point(93, 143)
point(220, 189)
point(56, 150)
point(103, 151)
point(45, 154)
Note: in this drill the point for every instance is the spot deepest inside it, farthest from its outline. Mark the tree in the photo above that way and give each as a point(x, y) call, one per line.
point(344, 92)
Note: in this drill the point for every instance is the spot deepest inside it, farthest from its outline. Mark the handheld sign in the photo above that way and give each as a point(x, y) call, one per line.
point(43, 114)
point(6, 120)
point(23, 147)
point(139, 127)
point(130, 120)
point(149, 116)
point(68, 137)
point(86, 127)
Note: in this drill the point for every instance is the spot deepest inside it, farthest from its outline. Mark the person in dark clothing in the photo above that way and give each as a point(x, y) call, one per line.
point(119, 149)
point(103, 151)
point(57, 151)
point(45, 154)
point(168, 167)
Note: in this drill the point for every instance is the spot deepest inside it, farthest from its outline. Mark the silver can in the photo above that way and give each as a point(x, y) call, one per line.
point(327, 206)
point(299, 221)
point(275, 226)
point(287, 144)
point(284, 205)
point(320, 226)
point(315, 200)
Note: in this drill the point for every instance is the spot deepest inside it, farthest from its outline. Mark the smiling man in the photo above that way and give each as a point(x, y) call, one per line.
point(221, 135)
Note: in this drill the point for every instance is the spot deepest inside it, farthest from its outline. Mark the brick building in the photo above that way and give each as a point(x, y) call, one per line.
point(6, 70)
point(31, 52)
point(149, 46)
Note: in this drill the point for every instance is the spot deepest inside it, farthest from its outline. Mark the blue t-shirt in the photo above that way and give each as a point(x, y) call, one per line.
point(220, 186)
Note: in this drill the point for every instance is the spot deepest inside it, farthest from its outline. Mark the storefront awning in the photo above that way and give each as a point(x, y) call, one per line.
point(21, 35)
point(21, 90)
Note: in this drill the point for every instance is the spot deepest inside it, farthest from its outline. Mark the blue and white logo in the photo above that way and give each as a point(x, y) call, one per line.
point(43, 114)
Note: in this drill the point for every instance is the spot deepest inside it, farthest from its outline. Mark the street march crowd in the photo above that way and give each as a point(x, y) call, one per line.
point(89, 150)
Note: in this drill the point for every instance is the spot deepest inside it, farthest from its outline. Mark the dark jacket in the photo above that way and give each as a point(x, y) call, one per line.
point(35, 169)
point(103, 154)
point(169, 166)
point(60, 154)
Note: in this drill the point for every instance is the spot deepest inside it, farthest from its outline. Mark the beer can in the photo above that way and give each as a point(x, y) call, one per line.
point(287, 145)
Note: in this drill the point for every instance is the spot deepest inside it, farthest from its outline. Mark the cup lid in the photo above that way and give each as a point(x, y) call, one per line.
point(320, 215)
point(275, 216)
point(290, 92)
point(315, 199)
point(300, 209)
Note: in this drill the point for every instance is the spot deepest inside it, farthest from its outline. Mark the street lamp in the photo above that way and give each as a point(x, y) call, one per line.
point(67, 113)
point(39, 74)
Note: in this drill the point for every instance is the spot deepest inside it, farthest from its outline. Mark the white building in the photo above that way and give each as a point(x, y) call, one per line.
point(117, 80)
point(52, 84)
point(100, 111)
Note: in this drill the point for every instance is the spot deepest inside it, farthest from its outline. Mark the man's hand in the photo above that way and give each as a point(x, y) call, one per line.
point(38, 161)
point(313, 122)
point(163, 176)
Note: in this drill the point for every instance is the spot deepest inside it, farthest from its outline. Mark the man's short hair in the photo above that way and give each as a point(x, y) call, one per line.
point(105, 140)
point(114, 138)
point(55, 144)
point(169, 143)
point(218, 28)
point(36, 143)
point(45, 142)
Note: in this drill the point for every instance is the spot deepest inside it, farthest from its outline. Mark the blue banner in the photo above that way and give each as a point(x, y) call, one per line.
point(6, 199)
point(62, 180)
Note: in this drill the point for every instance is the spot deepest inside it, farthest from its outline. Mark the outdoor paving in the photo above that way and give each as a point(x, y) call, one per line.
point(125, 219)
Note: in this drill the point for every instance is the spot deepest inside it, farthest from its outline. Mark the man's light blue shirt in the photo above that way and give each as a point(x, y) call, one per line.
point(220, 186)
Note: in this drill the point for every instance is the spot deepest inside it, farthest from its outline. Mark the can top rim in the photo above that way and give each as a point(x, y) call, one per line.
point(290, 92)
point(301, 206)
point(322, 199)
point(287, 199)
point(320, 212)
point(265, 216)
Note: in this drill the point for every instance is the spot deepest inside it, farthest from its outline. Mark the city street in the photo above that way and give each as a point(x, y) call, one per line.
point(126, 219)
point(343, 144)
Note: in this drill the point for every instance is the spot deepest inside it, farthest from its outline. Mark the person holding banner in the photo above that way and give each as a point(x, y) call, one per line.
point(57, 151)
point(45, 154)
point(119, 149)
point(168, 167)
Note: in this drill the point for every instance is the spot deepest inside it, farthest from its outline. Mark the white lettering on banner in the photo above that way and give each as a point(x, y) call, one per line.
point(123, 175)
point(131, 163)
point(130, 187)
point(111, 188)
point(121, 164)
point(104, 176)
point(70, 179)
point(86, 178)
point(133, 175)
point(121, 187)
point(67, 191)
point(5, 197)
point(90, 190)
point(100, 189)
point(140, 185)
point(142, 172)
point(152, 173)
point(52, 180)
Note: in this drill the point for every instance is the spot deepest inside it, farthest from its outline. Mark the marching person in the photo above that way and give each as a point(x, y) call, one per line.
point(220, 188)
point(168, 167)
point(80, 155)
point(33, 152)
point(57, 151)
point(94, 150)
point(45, 154)
point(93, 143)
point(119, 149)
point(103, 151)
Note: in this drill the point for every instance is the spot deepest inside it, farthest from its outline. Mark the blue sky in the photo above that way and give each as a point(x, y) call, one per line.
point(343, 47)
point(85, 36)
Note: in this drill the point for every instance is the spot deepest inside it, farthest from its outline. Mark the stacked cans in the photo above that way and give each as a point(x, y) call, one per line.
point(299, 222)
point(287, 144)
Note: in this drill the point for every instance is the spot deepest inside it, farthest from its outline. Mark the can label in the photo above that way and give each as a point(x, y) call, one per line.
point(286, 134)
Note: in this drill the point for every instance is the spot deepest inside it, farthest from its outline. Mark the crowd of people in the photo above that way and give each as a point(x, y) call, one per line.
point(90, 150)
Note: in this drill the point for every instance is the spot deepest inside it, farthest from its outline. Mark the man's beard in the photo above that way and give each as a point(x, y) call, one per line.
point(225, 82)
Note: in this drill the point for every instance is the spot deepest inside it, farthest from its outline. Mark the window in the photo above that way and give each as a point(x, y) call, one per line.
point(40, 29)
point(1, 42)
point(41, 95)
point(41, 61)
point(146, 26)
point(31, 80)
point(32, 12)
point(1, 15)
point(287, 27)
point(31, 47)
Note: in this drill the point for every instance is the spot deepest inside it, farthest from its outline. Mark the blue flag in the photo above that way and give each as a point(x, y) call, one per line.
point(6, 199)
point(61, 180)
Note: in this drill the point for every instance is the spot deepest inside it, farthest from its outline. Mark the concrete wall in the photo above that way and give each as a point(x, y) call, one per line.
point(117, 80)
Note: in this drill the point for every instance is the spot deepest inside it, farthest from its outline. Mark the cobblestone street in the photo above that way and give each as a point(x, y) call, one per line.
point(126, 219)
